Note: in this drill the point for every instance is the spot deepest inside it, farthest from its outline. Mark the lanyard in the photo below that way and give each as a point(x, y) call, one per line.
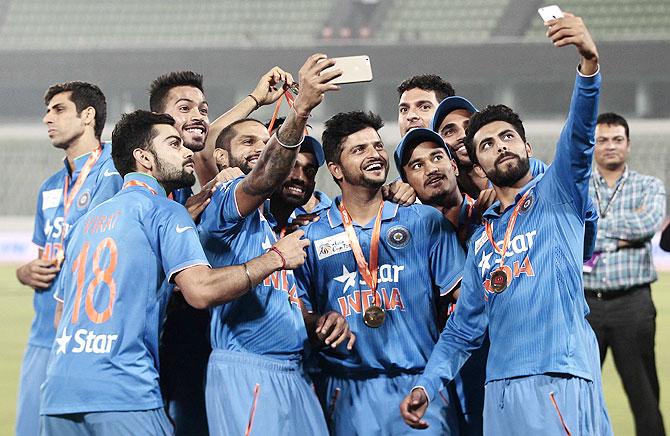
point(68, 198)
point(86, 169)
point(508, 232)
point(132, 183)
point(603, 213)
point(369, 272)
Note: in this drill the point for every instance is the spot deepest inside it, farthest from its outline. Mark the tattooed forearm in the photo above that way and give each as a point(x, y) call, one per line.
point(276, 162)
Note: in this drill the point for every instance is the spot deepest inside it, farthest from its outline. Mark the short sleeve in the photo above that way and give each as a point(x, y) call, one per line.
point(178, 242)
point(222, 217)
point(39, 238)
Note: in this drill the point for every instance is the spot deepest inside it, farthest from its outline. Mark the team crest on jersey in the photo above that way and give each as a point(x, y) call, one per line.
point(331, 245)
point(398, 236)
point(84, 199)
point(527, 204)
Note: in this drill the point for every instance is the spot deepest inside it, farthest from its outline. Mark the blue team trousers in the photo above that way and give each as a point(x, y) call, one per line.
point(268, 395)
point(143, 422)
point(371, 406)
point(33, 373)
point(547, 405)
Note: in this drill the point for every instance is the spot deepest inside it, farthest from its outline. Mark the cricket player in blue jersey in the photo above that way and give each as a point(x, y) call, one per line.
point(75, 118)
point(522, 277)
point(451, 121)
point(102, 377)
point(383, 267)
point(258, 340)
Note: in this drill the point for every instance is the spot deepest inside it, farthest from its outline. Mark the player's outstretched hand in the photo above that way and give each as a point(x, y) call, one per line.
point(333, 329)
point(267, 91)
point(38, 273)
point(413, 407)
point(571, 30)
point(226, 175)
point(302, 220)
point(292, 248)
point(314, 84)
point(399, 192)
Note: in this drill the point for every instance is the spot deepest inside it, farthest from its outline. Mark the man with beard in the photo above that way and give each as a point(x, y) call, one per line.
point(185, 343)
point(383, 267)
point(102, 377)
point(522, 277)
point(75, 118)
point(258, 340)
point(419, 97)
point(451, 121)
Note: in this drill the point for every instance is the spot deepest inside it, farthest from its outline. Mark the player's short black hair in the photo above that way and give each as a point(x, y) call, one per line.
point(428, 82)
point(613, 120)
point(491, 113)
point(229, 132)
point(83, 95)
point(341, 125)
point(134, 130)
point(160, 87)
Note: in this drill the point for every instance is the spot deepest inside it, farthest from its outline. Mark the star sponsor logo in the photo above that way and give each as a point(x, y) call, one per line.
point(180, 229)
point(62, 342)
point(348, 278)
point(332, 245)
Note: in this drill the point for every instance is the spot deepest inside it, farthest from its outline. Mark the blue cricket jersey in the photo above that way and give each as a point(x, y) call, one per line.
point(51, 227)
point(267, 320)
point(419, 258)
point(105, 355)
point(537, 325)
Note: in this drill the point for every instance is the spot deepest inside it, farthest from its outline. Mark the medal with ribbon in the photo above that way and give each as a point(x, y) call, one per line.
point(374, 315)
point(68, 197)
point(499, 278)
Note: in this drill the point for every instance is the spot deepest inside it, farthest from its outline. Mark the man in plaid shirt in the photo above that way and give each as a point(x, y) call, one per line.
point(617, 277)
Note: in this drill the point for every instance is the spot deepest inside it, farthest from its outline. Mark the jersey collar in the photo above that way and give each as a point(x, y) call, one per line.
point(335, 218)
point(149, 180)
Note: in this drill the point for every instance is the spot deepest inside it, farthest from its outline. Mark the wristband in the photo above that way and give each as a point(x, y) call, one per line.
point(289, 146)
point(283, 260)
point(254, 99)
point(246, 271)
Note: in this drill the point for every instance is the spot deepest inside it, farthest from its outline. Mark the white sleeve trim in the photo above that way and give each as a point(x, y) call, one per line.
point(590, 75)
point(425, 391)
point(183, 267)
point(449, 289)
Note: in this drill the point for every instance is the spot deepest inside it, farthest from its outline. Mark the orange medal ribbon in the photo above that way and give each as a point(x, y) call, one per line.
point(289, 100)
point(69, 198)
point(508, 236)
point(131, 183)
point(369, 272)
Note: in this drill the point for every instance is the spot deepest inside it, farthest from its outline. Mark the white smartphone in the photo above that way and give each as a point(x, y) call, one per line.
point(355, 69)
point(550, 13)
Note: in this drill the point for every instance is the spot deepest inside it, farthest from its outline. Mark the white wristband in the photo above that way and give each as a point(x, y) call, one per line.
point(289, 146)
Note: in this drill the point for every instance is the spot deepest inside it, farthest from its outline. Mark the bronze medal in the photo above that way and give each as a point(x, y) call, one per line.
point(498, 280)
point(374, 316)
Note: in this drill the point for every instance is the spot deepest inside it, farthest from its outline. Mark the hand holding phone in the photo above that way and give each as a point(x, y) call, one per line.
point(355, 69)
point(550, 13)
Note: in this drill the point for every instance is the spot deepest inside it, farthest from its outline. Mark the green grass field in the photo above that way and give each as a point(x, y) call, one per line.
point(16, 313)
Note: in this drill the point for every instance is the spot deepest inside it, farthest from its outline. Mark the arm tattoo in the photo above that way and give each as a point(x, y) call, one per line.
point(276, 162)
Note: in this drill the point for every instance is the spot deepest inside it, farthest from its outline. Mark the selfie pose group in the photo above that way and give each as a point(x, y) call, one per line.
point(447, 302)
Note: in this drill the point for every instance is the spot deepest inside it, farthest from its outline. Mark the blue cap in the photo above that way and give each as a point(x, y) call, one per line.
point(312, 145)
point(449, 105)
point(413, 138)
